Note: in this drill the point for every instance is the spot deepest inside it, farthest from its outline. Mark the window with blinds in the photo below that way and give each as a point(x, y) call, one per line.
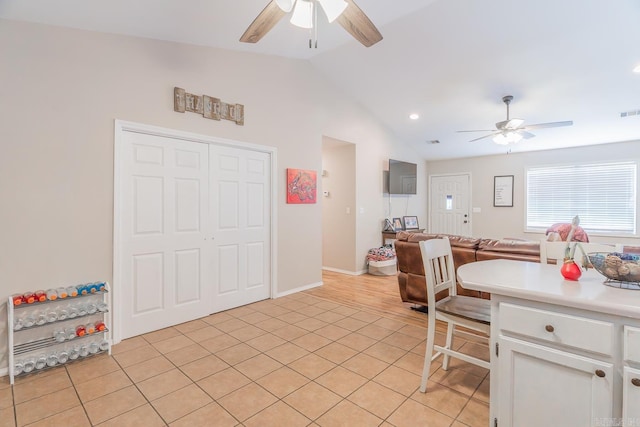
point(602, 195)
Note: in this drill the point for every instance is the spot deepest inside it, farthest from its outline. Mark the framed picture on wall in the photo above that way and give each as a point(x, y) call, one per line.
point(410, 222)
point(503, 191)
point(397, 224)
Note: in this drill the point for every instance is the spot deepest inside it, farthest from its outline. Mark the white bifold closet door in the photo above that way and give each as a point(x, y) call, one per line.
point(240, 220)
point(195, 230)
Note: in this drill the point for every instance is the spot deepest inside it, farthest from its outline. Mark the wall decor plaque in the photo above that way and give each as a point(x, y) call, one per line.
point(210, 107)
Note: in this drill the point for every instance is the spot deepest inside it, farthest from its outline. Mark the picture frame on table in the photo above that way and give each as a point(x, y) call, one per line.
point(410, 222)
point(397, 224)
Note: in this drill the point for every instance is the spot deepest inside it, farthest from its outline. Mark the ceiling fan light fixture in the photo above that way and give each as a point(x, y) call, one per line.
point(507, 138)
point(333, 8)
point(286, 5)
point(303, 14)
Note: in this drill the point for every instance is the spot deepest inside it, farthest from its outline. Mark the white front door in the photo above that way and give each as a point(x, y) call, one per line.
point(449, 204)
point(240, 206)
point(164, 224)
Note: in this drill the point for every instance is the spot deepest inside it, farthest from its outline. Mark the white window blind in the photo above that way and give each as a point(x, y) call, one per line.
point(602, 195)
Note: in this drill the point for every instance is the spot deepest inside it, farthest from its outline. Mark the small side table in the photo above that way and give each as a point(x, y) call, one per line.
point(391, 235)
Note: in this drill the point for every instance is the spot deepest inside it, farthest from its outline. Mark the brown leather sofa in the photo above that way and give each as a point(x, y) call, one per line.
point(411, 278)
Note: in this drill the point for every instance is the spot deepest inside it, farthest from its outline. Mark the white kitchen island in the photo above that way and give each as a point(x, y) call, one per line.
point(563, 353)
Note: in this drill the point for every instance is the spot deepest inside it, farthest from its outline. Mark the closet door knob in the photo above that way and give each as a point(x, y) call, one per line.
point(636, 382)
point(549, 328)
point(600, 373)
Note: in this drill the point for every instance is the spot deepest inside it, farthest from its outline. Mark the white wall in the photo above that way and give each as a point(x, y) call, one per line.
point(500, 222)
point(61, 91)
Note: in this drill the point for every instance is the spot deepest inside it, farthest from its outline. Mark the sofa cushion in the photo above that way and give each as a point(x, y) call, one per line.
point(462, 241)
point(523, 247)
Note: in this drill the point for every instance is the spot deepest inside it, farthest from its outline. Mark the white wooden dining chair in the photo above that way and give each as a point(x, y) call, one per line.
point(455, 310)
point(555, 251)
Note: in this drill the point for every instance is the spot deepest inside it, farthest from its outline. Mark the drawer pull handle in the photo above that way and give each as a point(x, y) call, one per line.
point(549, 328)
point(636, 382)
point(600, 373)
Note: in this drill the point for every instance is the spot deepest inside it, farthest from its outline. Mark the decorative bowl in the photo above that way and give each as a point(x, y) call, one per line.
point(617, 267)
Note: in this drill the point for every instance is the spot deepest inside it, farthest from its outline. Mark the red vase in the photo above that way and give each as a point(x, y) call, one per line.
point(570, 270)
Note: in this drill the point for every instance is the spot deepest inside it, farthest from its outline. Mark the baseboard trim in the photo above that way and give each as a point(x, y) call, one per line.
point(350, 273)
point(296, 290)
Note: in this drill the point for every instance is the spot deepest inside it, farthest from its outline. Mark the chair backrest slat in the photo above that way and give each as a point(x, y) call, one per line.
point(438, 267)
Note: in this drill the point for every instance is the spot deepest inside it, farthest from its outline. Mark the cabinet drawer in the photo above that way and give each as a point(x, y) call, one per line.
point(632, 344)
point(559, 328)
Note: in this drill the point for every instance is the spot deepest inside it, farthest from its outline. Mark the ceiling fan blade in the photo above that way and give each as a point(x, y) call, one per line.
point(525, 134)
point(359, 25)
point(548, 125)
point(477, 130)
point(509, 124)
point(486, 136)
point(264, 22)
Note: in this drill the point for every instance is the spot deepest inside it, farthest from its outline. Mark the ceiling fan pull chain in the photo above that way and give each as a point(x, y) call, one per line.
point(315, 25)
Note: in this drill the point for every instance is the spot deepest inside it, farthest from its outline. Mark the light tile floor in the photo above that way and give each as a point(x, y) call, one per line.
point(292, 361)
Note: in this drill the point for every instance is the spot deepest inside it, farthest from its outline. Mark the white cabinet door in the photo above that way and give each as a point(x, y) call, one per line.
point(240, 217)
point(541, 386)
point(165, 276)
point(631, 397)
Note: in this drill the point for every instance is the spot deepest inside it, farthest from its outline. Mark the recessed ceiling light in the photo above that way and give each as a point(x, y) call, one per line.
point(414, 116)
point(637, 69)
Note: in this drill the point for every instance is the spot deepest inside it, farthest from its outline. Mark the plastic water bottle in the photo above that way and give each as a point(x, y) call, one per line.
point(18, 367)
point(72, 291)
point(29, 321)
point(102, 306)
point(70, 333)
point(52, 359)
point(74, 353)
point(41, 361)
point(52, 316)
point(41, 318)
point(62, 292)
point(94, 347)
point(63, 356)
point(59, 335)
point(84, 351)
point(92, 308)
point(73, 312)
point(52, 295)
point(82, 310)
point(29, 365)
point(82, 290)
point(18, 324)
point(89, 328)
point(100, 326)
point(104, 345)
point(63, 313)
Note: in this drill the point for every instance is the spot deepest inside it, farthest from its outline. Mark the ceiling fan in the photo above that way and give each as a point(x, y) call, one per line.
point(346, 12)
point(511, 130)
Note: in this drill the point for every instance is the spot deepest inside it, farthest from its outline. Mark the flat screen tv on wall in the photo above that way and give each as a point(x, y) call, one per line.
point(402, 177)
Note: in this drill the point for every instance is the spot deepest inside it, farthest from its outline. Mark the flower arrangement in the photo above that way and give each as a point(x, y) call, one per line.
point(570, 270)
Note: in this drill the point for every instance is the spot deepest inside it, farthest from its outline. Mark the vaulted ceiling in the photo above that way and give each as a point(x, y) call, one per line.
point(450, 61)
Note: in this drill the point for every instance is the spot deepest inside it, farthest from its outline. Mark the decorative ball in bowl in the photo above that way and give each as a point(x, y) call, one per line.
point(616, 266)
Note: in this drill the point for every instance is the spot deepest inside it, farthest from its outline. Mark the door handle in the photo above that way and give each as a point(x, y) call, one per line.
point(465, 221)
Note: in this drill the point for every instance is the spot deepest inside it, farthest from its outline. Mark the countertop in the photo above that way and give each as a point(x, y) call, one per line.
point(544, 283)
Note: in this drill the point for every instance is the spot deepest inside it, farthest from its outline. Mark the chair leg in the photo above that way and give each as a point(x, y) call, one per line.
point(428, 355)
point(445, 361)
